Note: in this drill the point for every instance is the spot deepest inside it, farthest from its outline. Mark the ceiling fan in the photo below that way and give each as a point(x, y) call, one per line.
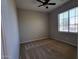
point(45, 3)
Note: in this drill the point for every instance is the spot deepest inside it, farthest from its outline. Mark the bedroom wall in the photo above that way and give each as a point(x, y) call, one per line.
point(9, 30)
point(33, 25)
point(70, 38)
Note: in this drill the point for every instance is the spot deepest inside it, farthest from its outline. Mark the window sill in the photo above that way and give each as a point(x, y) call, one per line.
point(68, 32)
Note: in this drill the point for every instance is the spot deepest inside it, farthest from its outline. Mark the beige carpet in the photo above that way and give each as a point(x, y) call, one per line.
point(47, 49)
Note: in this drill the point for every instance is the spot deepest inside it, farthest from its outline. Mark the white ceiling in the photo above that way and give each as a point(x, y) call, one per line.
point(33, 5)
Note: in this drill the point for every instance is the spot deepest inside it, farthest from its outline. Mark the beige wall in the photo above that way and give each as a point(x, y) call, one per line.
point(70, 38)
point(9, 29)
point(32, 25)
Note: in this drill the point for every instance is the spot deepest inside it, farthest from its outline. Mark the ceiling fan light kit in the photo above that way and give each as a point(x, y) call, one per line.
point(45, 3)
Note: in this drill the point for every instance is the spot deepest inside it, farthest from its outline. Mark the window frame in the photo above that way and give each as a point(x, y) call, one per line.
point(68, 21)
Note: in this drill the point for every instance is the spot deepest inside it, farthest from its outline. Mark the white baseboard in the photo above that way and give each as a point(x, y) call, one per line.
point(33, 40)
point(66, 42)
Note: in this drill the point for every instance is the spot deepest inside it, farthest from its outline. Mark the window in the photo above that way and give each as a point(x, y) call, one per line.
point(68, 21)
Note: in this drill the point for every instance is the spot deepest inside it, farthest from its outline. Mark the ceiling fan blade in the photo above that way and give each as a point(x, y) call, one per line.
point(47, 0)
point(40, 5)
point(40, 1)
point(51, 3)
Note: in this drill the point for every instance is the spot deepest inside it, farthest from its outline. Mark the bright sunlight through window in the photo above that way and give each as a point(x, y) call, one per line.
point(68, 21)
